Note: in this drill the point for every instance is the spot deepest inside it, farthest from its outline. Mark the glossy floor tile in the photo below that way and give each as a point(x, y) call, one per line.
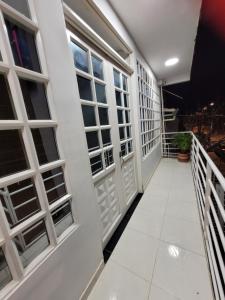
point(182, 209)
point(117, 283)
point(153, 204)
point(182, 273)
point(184, 234)
point(183, 194)
point(157, 293)
point(160, 254)
point(147, 222)
point(136, 252)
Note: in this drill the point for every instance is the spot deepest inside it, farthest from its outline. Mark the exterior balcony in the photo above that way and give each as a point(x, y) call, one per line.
point(173, 245)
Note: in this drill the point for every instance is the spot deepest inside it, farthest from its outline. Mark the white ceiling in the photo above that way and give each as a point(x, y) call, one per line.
point(162, 29)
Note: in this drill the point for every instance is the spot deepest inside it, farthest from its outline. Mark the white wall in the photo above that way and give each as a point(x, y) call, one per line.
point(66, 273)
point(145, 168)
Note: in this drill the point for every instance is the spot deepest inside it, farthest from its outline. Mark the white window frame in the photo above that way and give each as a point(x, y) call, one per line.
point(12, 74)
point(94, 103)
point(123, 109)
point(149, 111)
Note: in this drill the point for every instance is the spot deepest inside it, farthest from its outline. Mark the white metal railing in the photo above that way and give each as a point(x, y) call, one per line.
point(168, 147)
point(210, 191)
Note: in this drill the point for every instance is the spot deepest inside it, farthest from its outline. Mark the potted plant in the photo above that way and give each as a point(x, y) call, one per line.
point(183, 141)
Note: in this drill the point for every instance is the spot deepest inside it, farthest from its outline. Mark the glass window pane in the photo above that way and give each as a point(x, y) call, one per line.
point(88, 115)
point(23, 46)
point(7, 111)
point(125, 97)
point(92, 140)
point(96, 164)
point(31, 242)
point(80, 57)
point(124, 83)
point(118, 98)
point(84, 86)
point(103, 116)
point(20, 201)
point(54, 184)
point(127, 116)
point(100, 92)
point(116, 75)
point(35, 100)
point(108, 157)
point(122, 135)
point(62, 218)
point(21, 6)
point(12, 155)
point(45, 144)
point(97, 67)
point(5, 275)
point(123, 149)
point(120, 116)
point(106, 138)
point(128, 132)
point(129, 146)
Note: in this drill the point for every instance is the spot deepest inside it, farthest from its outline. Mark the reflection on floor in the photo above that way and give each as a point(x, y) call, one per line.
point(161, 254)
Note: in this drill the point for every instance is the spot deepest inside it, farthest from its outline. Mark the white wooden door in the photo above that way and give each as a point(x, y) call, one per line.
point(122, 99)
point(110, 152)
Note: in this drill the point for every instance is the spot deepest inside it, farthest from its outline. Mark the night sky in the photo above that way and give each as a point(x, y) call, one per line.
point(207, 82)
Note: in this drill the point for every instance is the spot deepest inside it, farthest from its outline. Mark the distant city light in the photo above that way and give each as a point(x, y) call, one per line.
point(171, 62)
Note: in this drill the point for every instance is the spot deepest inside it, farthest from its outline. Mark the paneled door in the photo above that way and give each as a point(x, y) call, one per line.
point(105, 106)
point(124, 123)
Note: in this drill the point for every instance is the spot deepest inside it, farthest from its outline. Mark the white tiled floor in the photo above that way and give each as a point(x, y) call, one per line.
point(161, 254)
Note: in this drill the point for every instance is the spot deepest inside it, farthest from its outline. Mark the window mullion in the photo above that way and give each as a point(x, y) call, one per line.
point(44, 204)
point(11, 253)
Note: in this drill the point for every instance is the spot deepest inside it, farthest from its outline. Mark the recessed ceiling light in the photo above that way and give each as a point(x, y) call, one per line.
point(171, 62)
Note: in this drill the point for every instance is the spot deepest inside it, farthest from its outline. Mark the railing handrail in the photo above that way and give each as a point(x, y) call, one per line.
point(210, 188)
point(175, 132)
point(211, 163)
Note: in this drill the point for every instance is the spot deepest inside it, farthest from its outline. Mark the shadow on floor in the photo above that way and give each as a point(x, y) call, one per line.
point(117, 234)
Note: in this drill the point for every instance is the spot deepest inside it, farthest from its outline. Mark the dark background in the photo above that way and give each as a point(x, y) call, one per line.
point(207, 83)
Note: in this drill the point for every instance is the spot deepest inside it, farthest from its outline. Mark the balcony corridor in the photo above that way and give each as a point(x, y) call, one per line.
point(161, 254)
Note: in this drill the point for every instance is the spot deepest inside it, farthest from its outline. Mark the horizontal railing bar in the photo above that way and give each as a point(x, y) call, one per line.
point(218, 253)
point(202, 176)
point(24, 203)
point(21, 190)
point(218, 225)
point(213, 274)
point(211, 164)
point(218, 202)
point(215, 267)
point(53, 176)
point(202, 164)
point(55, 187)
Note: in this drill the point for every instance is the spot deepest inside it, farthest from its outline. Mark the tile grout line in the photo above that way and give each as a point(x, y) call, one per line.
point(157, 252)
point(129, 270)
point(167, 292)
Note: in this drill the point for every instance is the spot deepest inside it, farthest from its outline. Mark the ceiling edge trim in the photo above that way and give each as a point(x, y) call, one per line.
point(91, 35)
point(98, 11)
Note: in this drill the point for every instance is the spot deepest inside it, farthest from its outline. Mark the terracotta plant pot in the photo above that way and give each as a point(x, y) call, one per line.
point(183, 157)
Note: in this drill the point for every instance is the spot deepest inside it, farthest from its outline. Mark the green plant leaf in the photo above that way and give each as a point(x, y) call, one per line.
point(183, 141)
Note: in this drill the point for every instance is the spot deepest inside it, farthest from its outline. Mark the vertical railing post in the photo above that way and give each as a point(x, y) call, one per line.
point(207, 198)
point(197, 164)
point(192, 154)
